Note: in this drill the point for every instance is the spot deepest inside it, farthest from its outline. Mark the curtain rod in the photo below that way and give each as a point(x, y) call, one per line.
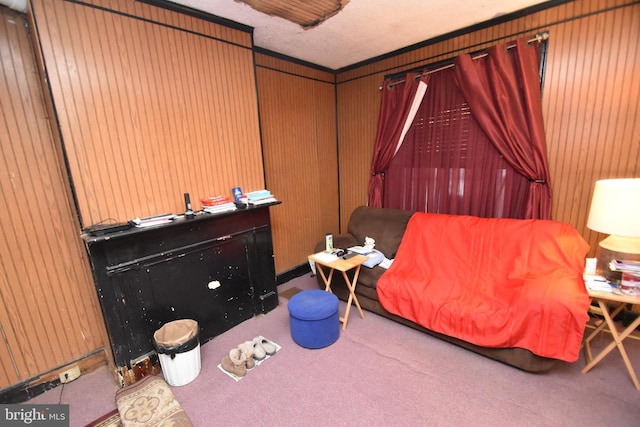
point(537, 38)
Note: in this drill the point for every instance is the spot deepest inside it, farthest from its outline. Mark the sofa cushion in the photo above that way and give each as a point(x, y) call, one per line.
point(369, 276)
point(385, 226)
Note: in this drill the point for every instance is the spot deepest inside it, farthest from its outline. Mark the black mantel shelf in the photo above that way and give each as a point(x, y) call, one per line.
point(214, 268)
point(200, 216)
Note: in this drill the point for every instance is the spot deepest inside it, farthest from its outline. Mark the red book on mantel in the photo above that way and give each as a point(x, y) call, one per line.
point(215, 200)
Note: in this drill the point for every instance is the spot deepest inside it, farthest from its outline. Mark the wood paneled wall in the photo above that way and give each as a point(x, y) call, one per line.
point(591, 101)
point(151, 104)
point(49, 312)
point(592, 107)
point(298, 120)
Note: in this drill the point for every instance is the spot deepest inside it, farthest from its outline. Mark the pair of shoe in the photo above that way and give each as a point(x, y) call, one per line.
point(243, 357)
point(262, 348)
point(239, 360)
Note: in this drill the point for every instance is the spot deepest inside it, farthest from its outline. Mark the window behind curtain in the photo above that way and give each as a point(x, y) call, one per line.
point(447, 165)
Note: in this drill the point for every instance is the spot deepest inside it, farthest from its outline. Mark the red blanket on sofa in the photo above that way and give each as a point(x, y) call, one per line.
point(498, 283)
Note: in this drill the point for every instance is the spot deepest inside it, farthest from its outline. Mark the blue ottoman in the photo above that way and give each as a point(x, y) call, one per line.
point(314, 319)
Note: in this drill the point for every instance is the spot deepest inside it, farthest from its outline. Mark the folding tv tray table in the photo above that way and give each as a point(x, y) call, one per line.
point(342, 265)
point(610, 305)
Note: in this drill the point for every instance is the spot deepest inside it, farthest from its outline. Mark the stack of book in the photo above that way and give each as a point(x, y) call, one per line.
point(630, 281)
point(625, 266)
point(260, 197)
point(151, 221)
point(217, 204)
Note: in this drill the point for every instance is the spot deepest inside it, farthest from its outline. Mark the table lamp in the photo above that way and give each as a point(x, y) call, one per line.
point(615, 210)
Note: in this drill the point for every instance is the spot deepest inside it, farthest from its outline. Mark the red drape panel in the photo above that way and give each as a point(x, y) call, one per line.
point(448, 165)
point(394, 110)
point(503, 93)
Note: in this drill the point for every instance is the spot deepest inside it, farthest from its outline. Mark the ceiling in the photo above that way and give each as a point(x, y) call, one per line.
point(360, 29)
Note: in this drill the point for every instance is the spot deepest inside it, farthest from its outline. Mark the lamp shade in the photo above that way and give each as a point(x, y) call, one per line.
point(615, 207)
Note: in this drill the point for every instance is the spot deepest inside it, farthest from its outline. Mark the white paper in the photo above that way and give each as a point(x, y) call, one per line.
point(325, 256)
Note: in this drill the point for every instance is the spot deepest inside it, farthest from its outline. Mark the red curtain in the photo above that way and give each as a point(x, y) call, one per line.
point(396, 103)
point(448, 165)
point(503, 92)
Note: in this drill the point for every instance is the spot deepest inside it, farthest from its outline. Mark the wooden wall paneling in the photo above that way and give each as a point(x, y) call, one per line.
point(632, 123)
point(49, 313)
point(9, 371)
point(590, 95)
point(560, 171)
point(11, 50)
point(593, 92)
point(629, 129)
point(299, 142)
point(149, 125)
point(358, 101)
point(144, 122)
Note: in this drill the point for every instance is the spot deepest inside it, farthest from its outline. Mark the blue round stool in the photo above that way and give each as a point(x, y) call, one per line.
point(314, 319)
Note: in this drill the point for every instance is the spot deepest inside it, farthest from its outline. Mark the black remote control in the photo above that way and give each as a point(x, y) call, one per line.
point(349, 255)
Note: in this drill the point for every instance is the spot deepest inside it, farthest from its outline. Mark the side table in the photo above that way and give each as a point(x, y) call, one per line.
point(342, 265)
point(617, 303)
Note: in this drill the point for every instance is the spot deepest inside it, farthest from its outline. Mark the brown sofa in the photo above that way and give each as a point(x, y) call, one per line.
point(386, 227)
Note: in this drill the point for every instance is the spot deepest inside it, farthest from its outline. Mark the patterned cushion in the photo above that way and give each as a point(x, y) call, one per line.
point(150, 402)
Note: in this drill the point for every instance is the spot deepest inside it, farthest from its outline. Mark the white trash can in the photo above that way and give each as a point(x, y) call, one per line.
point(178, 347)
